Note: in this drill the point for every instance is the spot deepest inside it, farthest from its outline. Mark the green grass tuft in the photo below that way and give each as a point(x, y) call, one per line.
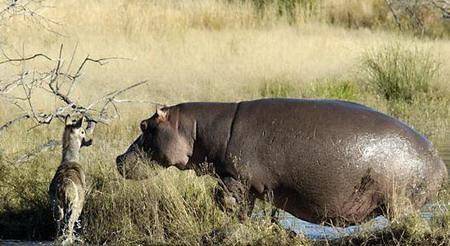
point(400, 74)
point(334, 89)
point(277, 88)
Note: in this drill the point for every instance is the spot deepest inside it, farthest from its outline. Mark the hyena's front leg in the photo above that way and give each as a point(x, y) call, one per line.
point(233, 196)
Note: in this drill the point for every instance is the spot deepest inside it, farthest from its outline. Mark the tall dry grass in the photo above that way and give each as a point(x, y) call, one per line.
point(164, 45)
point(190, 51)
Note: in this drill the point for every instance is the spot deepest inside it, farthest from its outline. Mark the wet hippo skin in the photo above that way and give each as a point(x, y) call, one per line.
point(320, 160)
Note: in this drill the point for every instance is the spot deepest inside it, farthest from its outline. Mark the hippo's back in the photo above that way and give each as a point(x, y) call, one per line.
point(334, 156)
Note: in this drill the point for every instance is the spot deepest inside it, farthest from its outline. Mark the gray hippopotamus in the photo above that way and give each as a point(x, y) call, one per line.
point(320, 160)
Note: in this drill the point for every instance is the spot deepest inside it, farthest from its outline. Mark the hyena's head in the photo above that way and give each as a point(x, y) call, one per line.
point(74, 134)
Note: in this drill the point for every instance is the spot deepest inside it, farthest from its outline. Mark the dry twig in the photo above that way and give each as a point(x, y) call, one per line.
point(13, 121)
point(29, 10)
point(59, 81)
point(61, 85)
point(49, 146)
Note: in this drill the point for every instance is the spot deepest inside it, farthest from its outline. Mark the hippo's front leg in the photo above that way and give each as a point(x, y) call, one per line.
point(233, 196)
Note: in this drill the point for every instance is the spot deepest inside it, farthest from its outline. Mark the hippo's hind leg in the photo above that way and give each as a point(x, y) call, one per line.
point(233, 196)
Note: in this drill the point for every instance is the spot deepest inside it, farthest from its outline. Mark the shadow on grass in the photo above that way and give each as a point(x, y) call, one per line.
point(27, 224)
point(393, 236)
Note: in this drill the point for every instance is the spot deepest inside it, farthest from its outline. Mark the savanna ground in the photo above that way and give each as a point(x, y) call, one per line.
point(212, 51)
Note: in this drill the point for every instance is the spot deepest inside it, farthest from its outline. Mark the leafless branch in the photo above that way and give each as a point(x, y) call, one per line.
point(110, 99)
point(30, 11)
point(74, 77)
point(25, 58)
point(13, 121)
point(58, 80)
point(20, 92)
point(49, 146)
point(409, 14)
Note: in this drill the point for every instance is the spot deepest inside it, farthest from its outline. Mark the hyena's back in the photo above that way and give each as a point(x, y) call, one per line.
point(67, 192)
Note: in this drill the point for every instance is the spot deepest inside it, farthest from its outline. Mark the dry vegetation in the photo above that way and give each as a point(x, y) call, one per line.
point(210, 51)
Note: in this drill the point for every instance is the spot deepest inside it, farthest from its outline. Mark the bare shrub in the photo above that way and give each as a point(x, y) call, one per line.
point(58, 80)
point(417, 15)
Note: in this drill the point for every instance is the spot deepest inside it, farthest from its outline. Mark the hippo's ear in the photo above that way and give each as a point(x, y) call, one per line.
point(161, 113)
point(144, 125)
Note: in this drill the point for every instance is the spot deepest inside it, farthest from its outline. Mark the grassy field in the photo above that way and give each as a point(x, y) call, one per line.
point(210, 51)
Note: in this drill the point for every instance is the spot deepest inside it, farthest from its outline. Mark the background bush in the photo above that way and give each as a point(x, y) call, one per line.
point(398, 73)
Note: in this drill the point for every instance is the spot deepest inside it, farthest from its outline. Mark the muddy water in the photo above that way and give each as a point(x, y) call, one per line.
point(310, 230)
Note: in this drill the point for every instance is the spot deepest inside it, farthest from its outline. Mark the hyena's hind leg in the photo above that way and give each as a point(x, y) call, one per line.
point(58, 217)
point(73, 219)
point(73, 212)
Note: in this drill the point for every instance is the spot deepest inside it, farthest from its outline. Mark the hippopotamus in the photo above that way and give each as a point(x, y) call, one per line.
point(320, 160)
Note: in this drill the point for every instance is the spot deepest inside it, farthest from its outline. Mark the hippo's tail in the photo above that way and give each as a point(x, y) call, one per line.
point(434, 179)
point(437, 175)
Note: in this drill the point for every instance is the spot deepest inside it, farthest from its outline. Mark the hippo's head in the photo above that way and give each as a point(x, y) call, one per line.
point(164, 139)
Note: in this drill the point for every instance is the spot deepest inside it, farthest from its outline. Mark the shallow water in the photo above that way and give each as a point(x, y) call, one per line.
point(312, 231)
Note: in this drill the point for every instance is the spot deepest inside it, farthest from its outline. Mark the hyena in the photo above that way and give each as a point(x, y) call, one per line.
point(68, 187)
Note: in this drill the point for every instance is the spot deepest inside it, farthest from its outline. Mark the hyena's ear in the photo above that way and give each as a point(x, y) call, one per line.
point(79, 123)
point(68, 120)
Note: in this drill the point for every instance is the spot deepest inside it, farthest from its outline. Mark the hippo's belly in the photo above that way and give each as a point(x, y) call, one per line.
point(329, 159)
point(346, 183)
